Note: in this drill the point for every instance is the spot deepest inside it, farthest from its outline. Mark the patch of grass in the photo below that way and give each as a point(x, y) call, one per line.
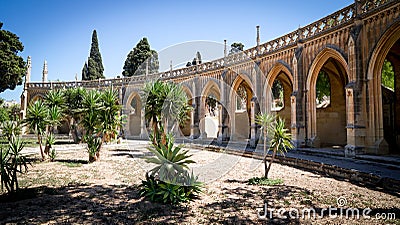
point(71, 164)
point(264, 181)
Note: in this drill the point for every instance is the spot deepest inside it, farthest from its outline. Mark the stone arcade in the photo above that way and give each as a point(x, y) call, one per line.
point(350, 46)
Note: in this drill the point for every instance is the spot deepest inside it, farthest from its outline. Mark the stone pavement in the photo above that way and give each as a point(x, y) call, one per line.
point(382, 166)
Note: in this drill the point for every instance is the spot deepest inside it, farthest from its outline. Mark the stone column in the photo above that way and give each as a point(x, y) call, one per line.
point(202, 124)
point(45, 72)
point(253, 125)
point(222, 107)
point(192, 126)
point(24, 97)
point(143, 131)
point(396, 69)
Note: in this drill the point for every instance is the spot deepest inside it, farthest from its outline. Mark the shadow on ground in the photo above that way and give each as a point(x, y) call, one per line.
point(84, 204)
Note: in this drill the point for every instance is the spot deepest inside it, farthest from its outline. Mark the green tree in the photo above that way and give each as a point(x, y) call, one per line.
point(236, 47)
point(12, 66)
point(85, 71)
point(93, 69)
point(323, 86)
point(4, 114)
point(139, 58)
point(388, 75)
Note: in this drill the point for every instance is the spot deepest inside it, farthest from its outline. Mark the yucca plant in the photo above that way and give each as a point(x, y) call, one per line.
point(169, 181)
point(54, 118)
point(93, 147)
point(12, 163)
point(171, 161)
point(50, 141)
point(281, 141)
point(73, 101)
point(266, 121)
point(11, 128)
point(109, 114)
point(5, 177)
point(37, 120)
point(165, 103)
point(55, 98)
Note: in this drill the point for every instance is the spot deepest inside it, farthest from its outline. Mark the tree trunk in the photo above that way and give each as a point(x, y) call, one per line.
point(265, 154)
point(41, 147)
point(270, 162)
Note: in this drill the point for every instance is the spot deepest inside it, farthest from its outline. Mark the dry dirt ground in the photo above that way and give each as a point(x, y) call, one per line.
point(72, 191)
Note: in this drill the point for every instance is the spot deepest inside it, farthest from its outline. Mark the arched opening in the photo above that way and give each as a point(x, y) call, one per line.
point(390, 89)
point(331, 105)
point(281, 91)
point(241, 96)
point(210, 99)
point(185, 126)
point(278, 91)
point(384, 108)
point(134, 106)
point(326, 100)
point(36, 98)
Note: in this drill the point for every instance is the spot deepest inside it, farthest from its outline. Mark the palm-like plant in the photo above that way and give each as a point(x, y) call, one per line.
point(109, 114)
point(11, 128)
point(91, 106)
point(37, 119)
point(165, 102)
point(152, 97)
point(266, 122)
point(280, 141)
point(11, 163)
point(73, 101)
point(55, 98)
point(55, 117)
point(172, 161)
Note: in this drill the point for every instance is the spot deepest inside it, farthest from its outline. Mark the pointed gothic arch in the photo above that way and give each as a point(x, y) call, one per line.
point(321, 126)
point(375, 115)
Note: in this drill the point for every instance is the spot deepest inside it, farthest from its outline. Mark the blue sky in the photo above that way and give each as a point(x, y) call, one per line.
point(59, 31)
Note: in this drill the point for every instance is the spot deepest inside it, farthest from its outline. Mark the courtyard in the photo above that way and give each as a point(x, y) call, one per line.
point(71, 190)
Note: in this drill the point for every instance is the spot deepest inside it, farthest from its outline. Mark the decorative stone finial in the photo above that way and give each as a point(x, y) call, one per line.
point(28, 70)
point(45, 72)
point(225, 48)
point(258, 35)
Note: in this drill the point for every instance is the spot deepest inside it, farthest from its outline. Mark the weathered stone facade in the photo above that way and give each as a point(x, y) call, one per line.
point(349, 45)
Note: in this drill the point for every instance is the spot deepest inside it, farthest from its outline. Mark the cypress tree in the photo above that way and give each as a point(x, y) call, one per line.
point(135, 63)
point(93, 69)
point(85, 72)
